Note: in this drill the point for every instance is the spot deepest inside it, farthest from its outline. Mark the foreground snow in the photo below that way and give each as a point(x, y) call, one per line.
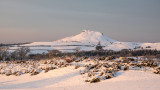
point(69, 78)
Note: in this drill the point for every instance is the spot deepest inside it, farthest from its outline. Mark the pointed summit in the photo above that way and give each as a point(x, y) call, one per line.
point(88, 36)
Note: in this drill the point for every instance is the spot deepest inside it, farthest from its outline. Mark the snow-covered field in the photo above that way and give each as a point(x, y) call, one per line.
point(62, 75)
point(69, 79)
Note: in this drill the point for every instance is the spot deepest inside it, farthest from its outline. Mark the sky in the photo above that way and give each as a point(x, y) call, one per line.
point(49, 20)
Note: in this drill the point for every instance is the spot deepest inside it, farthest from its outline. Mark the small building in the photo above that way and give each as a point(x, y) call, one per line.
point(99, 47)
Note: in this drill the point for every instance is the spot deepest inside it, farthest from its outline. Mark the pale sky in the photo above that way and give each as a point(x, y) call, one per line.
point(49, 20)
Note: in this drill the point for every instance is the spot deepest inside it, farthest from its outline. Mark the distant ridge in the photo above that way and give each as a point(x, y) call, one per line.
point(86, 41)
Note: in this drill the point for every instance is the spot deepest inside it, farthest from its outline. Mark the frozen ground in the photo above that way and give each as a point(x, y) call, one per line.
point(68, 78)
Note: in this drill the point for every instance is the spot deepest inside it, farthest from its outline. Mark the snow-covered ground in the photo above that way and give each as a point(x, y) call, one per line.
point(69, 79)
point(67, 76)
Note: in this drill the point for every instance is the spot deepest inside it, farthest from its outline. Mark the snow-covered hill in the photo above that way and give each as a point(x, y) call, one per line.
point(86, 41)
point(88, 36)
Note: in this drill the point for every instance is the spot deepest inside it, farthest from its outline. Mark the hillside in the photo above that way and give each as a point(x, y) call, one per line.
point(86, 41)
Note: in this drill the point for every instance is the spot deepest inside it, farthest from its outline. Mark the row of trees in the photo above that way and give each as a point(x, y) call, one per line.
point(18, 54)
point(106, 53)
point(3, 53)
point(23, 54)
point(13, 44)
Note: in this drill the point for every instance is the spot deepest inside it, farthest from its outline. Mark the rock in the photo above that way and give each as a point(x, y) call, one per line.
point(14, 73)
point(46, 70)
point(77, 66)
point(82, 73)
point(68, 60)
point(87, 80)
point(108, 76)
point(126, 68)
point(95, 70)
point(94, 80)
point(34, 73)
point(101, 73)
point(8, 73)
point(89, 74)
point(157, 70)
point(18, 74)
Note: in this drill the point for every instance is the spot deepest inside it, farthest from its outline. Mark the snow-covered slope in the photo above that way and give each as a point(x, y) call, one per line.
point(88, 36)
point(86, 41)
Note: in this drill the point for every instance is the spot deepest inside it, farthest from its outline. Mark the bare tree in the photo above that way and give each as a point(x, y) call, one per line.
point(14, 55)
point(53, 53)
point(3, 53)
point(22, 52)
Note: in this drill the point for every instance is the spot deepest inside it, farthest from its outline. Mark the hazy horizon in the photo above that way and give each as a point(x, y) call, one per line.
point(49, 20)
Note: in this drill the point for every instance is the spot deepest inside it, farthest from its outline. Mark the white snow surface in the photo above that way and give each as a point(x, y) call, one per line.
point(88, 36)
point(70, 79)
point(86, 41)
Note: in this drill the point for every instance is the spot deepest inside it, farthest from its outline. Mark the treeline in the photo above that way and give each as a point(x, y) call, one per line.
point(106, 53)
point(19, 54)
point(7, 45)
point(122, 53)
point(22, 53)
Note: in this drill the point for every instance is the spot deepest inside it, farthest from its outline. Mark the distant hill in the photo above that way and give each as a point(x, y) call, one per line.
point(86, 41)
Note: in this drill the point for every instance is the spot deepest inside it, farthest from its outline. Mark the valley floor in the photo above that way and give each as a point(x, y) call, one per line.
point(69, 78)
